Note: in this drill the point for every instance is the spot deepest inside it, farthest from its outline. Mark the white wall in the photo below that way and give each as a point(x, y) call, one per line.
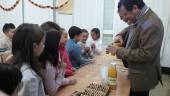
point(14, 16)
point(166, 50)
point(86, 14)
point(160, 7)
point(31, 14)
point(65, 21)
point(37, 15)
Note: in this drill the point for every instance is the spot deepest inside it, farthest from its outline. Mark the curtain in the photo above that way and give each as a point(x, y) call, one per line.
point(166, 47)
point(160, 7)
point(66, 9)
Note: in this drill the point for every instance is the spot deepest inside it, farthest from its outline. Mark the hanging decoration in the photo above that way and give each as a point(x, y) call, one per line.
point(48, 6)
point(10, 8)
point(65, 5)
point(67, 9)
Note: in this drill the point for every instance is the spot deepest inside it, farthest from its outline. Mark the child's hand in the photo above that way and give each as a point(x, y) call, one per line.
point(74, 73)
point(74, 69)
point(93, 46)
point(111, 49)
point(72, 81)
point(92, 61)
point(87, 49)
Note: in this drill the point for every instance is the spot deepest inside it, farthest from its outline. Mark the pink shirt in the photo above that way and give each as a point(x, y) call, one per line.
point(54, 78)
point(64, 55)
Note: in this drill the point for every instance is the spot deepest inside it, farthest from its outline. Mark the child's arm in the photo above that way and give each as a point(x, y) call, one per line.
point(77, 55)
point(67, 81)
point(61, 73)
point(50, 80)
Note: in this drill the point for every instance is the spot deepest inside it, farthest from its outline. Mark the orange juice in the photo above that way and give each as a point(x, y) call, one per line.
point(112, 74)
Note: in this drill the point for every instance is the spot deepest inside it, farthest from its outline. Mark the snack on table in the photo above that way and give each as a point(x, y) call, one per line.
point(76, 93)
point(98, 87)
point(94, 89)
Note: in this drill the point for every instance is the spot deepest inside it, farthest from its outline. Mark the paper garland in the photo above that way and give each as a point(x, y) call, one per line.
point(35, 4)
point(10, 8)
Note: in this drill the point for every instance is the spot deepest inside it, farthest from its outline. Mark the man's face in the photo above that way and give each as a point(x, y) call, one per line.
point(122, 17)
point(128, 16)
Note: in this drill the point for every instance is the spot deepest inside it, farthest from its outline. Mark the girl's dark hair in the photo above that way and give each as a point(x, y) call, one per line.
point(50, 25)
point(96, 31)
point(51, 50)
point(22, 45)
point(10, 77)
point(128, 4)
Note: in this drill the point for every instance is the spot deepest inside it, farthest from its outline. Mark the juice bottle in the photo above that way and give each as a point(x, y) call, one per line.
point(112, 75)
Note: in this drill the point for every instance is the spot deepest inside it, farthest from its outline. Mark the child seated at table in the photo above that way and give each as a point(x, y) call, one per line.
point(51, 25)
point(64, 54)
point(74, 50)
point(95, 42)
point(6, 41)
point(53, 65)
point(86, 51)
point(27, 45)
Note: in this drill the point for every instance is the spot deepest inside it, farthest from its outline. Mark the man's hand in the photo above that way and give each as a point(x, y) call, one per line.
point(118, 39)
point(111, 49)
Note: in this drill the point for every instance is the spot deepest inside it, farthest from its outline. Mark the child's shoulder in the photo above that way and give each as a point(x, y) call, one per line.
point(28, 73)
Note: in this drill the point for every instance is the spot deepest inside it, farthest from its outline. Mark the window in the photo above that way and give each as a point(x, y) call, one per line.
point(108, 14)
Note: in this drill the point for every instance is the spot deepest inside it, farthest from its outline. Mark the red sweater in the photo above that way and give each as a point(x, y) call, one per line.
point(64, 55)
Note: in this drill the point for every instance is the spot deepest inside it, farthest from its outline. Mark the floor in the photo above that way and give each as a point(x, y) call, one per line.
point(162, 90)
